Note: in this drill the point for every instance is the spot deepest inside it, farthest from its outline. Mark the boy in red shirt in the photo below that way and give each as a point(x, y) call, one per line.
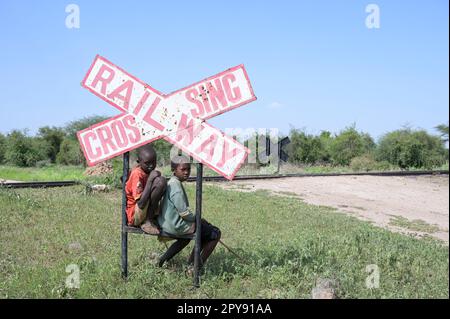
point(144, 189)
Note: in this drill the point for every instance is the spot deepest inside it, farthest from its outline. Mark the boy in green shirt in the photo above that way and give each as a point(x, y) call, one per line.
point(176, 217)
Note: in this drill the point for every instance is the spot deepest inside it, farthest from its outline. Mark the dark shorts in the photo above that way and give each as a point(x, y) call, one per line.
point(209, 232)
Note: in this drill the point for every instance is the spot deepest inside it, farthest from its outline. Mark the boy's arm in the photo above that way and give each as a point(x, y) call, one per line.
point(180, 204)
point(145, 196)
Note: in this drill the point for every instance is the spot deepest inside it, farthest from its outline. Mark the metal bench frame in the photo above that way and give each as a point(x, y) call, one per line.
point(129, 229)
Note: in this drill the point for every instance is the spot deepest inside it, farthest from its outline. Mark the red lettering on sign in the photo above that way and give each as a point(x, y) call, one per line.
point(208, 147)
point(233, 95)
point(128, 86)
point(105, 136)
point(187, 131)
point(148, 116)
point(217, 94)
point(191, 96)
point(99, 77)
point(129, 123)
point(87, 140)
point(119, 134)
point(141, 102)
point(227, 154)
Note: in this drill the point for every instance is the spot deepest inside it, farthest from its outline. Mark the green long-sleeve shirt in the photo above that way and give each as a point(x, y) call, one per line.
point(175, 217)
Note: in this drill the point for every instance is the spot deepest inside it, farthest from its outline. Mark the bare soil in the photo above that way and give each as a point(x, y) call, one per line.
point(378, 199)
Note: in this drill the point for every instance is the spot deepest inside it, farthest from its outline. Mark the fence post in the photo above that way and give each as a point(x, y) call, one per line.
point(126, 160)
point(198, 218)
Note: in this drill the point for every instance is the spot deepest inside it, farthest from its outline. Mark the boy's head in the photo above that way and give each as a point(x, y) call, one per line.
point(147, 158)
point(181, 167)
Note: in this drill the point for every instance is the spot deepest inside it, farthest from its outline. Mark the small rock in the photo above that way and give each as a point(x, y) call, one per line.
point(100, 188)
point(75, 246)
point(325, 289)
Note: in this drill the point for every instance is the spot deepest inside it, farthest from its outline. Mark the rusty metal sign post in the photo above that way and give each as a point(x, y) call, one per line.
point(198, 223)
point(179, 118)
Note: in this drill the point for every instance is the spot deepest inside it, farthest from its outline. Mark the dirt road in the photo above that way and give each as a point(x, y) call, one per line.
point(417, 205)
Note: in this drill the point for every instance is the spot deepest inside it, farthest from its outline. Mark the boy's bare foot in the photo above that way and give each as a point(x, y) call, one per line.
point(189, 271)
point(150, 228)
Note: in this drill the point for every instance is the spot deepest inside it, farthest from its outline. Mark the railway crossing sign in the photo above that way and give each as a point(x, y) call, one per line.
point(178, 117)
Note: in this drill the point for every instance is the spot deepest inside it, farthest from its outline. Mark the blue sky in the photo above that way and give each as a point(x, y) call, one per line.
point(312, 64)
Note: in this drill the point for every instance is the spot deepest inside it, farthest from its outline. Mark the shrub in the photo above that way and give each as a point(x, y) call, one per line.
point(22, 150)
point(70, 153)
point(162, 149)
point(43, 163)
point(2, 147)
point(407, 148)
point(443, 130)
point(364, 163)
point(350, 143)
point(53, 136)
point(367, 162)
point(73, 127)
point(307, 148)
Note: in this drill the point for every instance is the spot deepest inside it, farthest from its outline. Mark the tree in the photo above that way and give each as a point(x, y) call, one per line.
point(350, 143)
point(308, 148)
point(162, 149)
point(408, 148)
point(2, 147)
point(53, 136)
point(22, 150)
point(73, 127)
point(70, 153)
point(443, 129)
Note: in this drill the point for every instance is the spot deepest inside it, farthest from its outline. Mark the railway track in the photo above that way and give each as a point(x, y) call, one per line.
point(393, 173)
point(38, 184)
point(239, 177)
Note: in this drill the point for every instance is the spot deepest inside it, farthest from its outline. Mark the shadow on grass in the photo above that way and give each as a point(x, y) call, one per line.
point(223, 262)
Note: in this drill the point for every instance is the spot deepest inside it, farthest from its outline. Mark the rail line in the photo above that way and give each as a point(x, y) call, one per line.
point(38, 184)
point(392, 173)
point(239, 177)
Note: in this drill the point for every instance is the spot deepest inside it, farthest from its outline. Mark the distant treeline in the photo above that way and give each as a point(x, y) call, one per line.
point(403, 148)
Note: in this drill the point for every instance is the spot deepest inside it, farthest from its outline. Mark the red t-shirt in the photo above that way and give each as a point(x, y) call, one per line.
point(133, 189)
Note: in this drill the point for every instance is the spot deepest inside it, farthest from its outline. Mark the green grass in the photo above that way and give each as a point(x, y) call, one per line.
point(414, 225)
point(48, 173)
point(286, 245)
point(58, 172)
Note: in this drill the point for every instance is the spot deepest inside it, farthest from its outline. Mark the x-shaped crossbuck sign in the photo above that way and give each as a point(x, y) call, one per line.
point(178, 117)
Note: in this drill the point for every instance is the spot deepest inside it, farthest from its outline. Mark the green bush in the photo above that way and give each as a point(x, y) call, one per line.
point(70, 153)
point(22, 150)
point(53, 136)
point(73, 127)
point(443, 131)
point(307, 148)
point(350, 143)
point(364, 163)
point(408, 148)
point(162, 149)
point(2, 147)
point(367, 162)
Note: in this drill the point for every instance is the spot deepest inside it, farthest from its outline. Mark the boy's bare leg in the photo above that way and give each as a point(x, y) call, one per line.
point(158, 189)
point(206, 251)
point(174, 249)
point(207, 246)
